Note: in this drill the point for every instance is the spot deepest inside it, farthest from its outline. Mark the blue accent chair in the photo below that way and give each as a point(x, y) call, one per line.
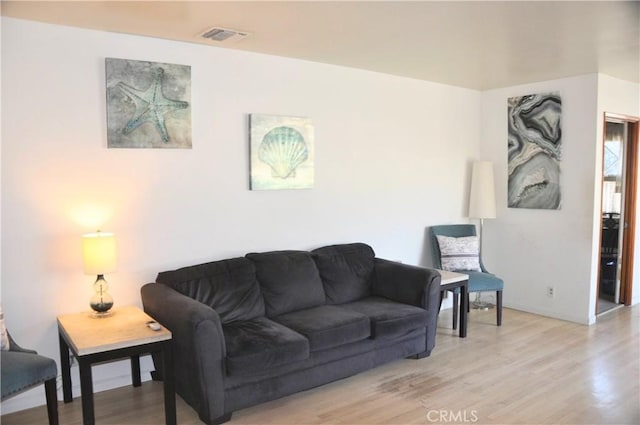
point(23, 369)
point(478, 281)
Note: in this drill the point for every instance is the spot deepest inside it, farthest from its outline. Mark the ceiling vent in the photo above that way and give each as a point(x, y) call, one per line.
point(224, 35)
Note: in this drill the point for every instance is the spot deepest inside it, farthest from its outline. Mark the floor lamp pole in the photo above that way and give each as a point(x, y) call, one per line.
point(480, 239)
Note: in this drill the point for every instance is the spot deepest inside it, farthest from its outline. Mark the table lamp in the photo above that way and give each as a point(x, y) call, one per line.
point(482, 204)
point(99, 256)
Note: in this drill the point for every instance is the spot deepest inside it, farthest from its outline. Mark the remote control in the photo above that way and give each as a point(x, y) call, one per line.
point(153, 325)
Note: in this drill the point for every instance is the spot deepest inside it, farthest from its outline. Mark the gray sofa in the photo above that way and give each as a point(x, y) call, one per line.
point(252, 329)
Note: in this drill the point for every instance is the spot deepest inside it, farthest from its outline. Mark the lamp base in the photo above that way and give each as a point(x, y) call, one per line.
point(481, 305)
point(101, 314)
point(101, 302)
point(477, 304)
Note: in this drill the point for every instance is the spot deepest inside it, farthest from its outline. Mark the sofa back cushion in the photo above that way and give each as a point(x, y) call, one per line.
point(346, 271)
point(228, 286)
point(289, 281)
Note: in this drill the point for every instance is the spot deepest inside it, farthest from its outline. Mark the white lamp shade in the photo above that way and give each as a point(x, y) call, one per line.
point(482, 198)
point(99, 253)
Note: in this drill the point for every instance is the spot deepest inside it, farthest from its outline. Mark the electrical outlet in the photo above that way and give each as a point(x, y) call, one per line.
point(551, 291)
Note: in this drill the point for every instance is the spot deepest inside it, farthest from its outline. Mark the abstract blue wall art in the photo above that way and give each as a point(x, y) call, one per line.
point(148, 104)
point(281, 152)
point(534, 151)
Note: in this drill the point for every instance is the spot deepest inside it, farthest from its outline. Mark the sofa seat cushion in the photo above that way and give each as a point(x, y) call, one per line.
point(327, 326)
point(260, 343)
point(345, 271)
point(289, 281)
point(389, 319)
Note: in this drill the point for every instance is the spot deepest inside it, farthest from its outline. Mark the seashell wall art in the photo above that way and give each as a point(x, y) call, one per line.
point(281, 152)
point(535, 150)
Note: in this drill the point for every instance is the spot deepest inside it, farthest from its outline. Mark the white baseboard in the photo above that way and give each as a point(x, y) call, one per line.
point(551, 313)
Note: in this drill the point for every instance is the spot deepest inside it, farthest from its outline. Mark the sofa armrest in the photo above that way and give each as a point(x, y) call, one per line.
point(407, 284)
point(413, 285)
point(198, 346)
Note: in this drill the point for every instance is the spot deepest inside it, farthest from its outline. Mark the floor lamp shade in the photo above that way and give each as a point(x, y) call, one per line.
point(482, 198)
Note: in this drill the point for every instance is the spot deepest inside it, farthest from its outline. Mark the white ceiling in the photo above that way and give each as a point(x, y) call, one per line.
point(474, 44)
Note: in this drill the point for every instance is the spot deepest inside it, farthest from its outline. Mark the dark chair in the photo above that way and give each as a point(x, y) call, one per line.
point(478, 281)
point(23, 369)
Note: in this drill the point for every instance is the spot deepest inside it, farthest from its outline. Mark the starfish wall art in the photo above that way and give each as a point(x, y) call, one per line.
point(148, 104)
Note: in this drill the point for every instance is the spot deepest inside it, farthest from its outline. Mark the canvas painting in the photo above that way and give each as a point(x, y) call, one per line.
point(148, 104)
point(281, 152)
point(534, 151)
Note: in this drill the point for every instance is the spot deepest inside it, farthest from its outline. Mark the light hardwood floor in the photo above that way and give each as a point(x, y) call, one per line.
point(532, 370)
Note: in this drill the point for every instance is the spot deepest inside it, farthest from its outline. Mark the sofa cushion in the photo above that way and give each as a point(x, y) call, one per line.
point(327, 326)
point(458, 254)
point(259, 344)
point(228, 286)
point(345, 271)
point(389, 319)
point(289, 281)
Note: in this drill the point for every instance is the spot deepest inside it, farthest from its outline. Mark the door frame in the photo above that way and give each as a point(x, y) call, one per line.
point(630, 200)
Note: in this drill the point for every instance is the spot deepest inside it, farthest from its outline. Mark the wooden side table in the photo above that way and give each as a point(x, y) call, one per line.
point(452, 280)
point(123, 334)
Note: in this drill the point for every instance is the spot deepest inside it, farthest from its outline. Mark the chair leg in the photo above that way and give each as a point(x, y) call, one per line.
point(499, 307)
point(455, 310)
point(468, 303)
point(52, 400)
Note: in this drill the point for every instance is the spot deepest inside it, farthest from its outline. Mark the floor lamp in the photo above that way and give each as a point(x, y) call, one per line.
point(482, 204)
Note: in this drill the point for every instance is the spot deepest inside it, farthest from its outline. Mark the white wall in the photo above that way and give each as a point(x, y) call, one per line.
point(0, 162)
point(620, 97)
point(392, 158)
point(555, 248)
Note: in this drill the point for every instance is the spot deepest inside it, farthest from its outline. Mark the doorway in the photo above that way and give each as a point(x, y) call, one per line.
point(617, 229)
